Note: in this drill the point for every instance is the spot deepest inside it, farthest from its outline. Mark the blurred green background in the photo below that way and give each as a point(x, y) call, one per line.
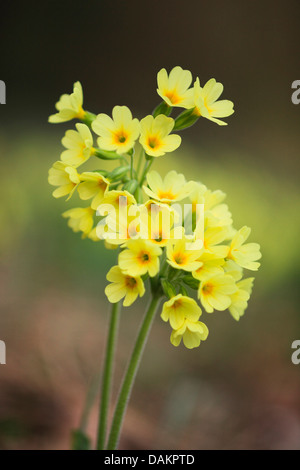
point(240, 388)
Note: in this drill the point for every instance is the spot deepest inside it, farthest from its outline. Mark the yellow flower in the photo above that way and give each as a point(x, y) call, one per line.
point(191, 332)
point(119, 199)
point(119, 226)
point(173, 188)
point(79, 145)
point(210, 265)
point(206, 104)
point(81, 219)
point(245, 255)
point(179, 308)
point(69, 106)
point(155, 137)
point(180, 257)
point(215, 292)
point(212, 237)
point(156, 222)
point(173, 89)
point(118, 134)
point(140, 257)
point(123, 286)
point(93, 185)
point(64, 176)
point(239, 300)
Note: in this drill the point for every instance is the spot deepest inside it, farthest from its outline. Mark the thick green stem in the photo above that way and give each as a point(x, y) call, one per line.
point(107, 375)
point(130, 374)
point(147, 166)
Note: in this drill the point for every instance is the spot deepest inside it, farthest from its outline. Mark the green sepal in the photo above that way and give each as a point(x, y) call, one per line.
point(162, 108)
point(183, 291)
point(190, 281)
point(88, 118)
point(80, 441)
point(186, 119)
point(118, 172)
point(106, 155)
point(131, 186)
point(168, 288)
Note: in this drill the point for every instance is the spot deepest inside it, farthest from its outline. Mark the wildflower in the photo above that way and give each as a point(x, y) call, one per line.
point(93, 185)
point(206, 104)
point(123, 286)
point(179, 256)
point(174, 89)
point(119, 226)
point(210, 265)
point(239, 300)
point(214, 292)
point(212, 237)
point(79, 145)
point(118, 134)
point(69, 106)
point(155, 135)
point(173, 188)
point(118, 199)
point(156, 221)
point(81, 219)
point(64, 176)
point(140, 257)
point(178, 308)
point(245, 255)
point(191, 332)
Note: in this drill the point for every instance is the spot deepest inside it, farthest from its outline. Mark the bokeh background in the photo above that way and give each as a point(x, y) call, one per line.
point(239, 390)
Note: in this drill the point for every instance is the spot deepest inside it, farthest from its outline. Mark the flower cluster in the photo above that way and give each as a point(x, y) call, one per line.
point(145, 215)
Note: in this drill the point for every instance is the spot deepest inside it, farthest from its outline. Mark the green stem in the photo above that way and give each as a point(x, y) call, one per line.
point(130, 374)
point(107, 375)
point(139, 161)
point(147, 166)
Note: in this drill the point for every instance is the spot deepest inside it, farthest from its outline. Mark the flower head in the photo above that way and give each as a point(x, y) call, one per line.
point(79, 145)
point(215, 292)
point(64, 176)
point(180, 256)
point(118, 133)
point(245, 255)
point(81, 219)
point(155, 135)
point(173, 188)
point(140, 257)
point(174, 89)
point(239, 300)
point(206, 104)
point(179, 308)
point(123, 286)
point(192, 333)
point(93, 185)
point(69, 106)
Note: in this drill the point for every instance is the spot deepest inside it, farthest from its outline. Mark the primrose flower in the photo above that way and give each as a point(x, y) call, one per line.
point(239, 300)
point(245, 255)
point(93, 185)
point(174, 89)
point(179, 308)
point(212, 237)
point(118, 134)
point(119, 227)
point(191, 332)
point(180, 257)
point(81, 219)
point(206, 104)
point(64, 176)
point(140, 257)
point(79, 145)
point(210, 265)
point(157, 221)
point(118, 199)
point(173, 188)
point(123, 286)
point(155, 135)
point(69, 106)
point(215, 292)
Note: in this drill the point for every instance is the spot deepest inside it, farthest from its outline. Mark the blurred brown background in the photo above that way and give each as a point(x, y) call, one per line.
point(240, 388)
